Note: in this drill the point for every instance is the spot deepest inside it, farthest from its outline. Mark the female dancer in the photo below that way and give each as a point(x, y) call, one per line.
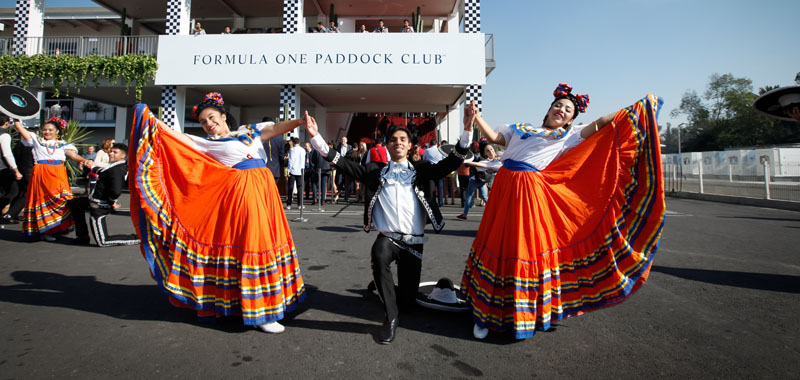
point(235, 256)
point(46, 213)
point(575, 217)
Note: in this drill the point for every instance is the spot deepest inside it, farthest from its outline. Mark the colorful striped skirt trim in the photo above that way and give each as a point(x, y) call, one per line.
point(46, 211)
point(577, 236)
point(215, 238)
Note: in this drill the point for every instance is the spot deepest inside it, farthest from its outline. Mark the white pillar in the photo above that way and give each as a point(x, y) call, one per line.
point(28, 22)
point(120, 125)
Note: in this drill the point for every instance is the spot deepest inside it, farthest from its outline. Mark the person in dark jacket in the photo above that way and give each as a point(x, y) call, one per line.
point(398, 205)
point(320, 167)
point(276, 149)
point(102, 201)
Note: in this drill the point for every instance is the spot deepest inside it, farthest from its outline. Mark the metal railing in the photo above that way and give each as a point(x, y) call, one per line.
point(765, 181)
point(86, 46)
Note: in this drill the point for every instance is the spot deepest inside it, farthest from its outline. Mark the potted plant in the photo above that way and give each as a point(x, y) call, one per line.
point(91, 109)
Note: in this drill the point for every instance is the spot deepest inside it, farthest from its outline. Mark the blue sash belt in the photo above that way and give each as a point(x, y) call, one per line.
point(50, 162)
point(252, 163)
point(519, 166)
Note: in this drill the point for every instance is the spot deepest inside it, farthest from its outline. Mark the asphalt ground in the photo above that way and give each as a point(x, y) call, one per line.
point(722, 302)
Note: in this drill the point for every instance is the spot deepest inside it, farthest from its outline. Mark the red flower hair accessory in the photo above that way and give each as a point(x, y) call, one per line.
point(215, 97)
point(565, 91)
point(58, 122)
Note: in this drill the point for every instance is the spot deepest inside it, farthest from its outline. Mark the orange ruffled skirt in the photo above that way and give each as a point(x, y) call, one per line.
point(46, 211)
point(216, 238)
point(577, 236)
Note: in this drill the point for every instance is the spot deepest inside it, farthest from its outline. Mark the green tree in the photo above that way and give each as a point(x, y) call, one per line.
point(724, 117)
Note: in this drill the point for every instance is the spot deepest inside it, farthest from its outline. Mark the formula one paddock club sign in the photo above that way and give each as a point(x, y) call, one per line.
point(356, 58)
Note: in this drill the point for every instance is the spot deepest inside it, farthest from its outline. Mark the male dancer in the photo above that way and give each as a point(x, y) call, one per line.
point(398, 205)
point(102, 201)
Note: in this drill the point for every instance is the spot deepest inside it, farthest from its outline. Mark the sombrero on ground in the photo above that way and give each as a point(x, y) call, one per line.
point(18, 103)
point(441, 295)
point(777, 102)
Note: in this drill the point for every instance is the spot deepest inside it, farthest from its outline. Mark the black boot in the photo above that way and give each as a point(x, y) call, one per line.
point(388, 330)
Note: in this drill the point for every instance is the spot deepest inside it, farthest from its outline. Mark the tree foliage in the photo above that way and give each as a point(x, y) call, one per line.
point(724, 117)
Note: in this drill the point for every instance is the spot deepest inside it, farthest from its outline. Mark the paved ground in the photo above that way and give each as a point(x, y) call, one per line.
point(722, 302)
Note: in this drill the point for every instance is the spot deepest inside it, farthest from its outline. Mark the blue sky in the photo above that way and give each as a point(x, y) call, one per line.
point(619, 50)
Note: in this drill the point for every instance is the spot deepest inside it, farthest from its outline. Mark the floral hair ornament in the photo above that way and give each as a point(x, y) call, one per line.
point(565, 91)
point(215, 97)
point(58, 122)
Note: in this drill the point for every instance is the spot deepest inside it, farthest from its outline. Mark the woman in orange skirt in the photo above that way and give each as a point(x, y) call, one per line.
point(46, 213)
point(574, 218)
point(210, 218)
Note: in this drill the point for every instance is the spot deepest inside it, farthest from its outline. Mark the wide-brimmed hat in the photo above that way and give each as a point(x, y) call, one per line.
point(448, 148)
point(18, 103)
point(441, 295)
point(775, 103)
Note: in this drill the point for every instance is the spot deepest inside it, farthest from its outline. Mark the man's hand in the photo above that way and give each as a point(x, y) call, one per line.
point(795, 114)
point(311, 125)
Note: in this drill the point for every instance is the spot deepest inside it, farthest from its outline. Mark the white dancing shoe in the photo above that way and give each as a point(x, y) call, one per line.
point(479, 333)
point(48, 238)
point(272, 328)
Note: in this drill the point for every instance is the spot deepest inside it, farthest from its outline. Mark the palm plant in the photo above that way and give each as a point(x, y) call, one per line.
point(75, 134)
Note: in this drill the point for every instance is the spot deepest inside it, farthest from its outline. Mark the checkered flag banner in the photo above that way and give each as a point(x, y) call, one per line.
point(291, 16)
point(169, 100)
point(174, 17)
point(21, 20)
point(289, 96)
point(472, 16)
point(475, 92)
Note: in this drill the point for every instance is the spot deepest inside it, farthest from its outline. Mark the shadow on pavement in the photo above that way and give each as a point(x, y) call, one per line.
point(759, 281)
point(85, 293)
point(367, 305)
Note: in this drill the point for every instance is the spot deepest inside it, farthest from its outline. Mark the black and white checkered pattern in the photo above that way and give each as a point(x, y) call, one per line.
point(21, 21)
point(289, 96)
point(475, 92)
point(174, 17)
point(292, 14)
point(169, 99)
point(472, 16)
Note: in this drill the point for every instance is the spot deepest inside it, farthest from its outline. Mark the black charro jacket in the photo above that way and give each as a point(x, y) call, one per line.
point(426, 173)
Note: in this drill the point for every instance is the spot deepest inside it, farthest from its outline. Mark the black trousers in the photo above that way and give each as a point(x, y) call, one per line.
point(409, 267)
point(78, 207)
point(292, 180)
point(8, 185)
point(18, 203)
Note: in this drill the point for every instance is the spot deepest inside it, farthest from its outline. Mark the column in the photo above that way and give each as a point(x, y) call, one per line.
point(472, 24)
point(173, 99)
point(293, 20)
point(289, 97)
point(28, 22)
point(120, 125)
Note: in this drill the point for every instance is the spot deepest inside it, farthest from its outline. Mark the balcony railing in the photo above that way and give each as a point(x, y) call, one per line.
point(86, 46)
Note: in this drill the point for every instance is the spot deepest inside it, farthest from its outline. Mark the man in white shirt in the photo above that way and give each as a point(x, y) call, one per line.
point(434, 155)
point(9, 174)
point(397, 205)
point(297, 162)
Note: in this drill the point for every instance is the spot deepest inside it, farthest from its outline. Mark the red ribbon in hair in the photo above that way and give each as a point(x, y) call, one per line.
point(564, 90)
point(58, 122)
point(216, 97)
